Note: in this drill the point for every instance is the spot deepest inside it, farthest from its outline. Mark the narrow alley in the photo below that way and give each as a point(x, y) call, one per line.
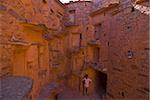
point(55, 50)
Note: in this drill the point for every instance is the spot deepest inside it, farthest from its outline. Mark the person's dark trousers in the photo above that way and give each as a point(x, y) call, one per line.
point(83, 88)
point(86, 89)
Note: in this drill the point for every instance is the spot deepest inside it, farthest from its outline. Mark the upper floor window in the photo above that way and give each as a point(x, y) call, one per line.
point(97, 31)
point(44, 1)
point(72, 16)
point(81, 36)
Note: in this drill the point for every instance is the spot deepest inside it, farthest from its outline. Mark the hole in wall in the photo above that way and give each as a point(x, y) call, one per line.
point(87, 28)
point(128, 27)
point(81, 36)
point(146, 49)
point(52, 10)
point(132, 9)
point(72, 11)
point(44, 1)
point(56, 97)
point(85, 4)
point(108, 43)
point(122, 93)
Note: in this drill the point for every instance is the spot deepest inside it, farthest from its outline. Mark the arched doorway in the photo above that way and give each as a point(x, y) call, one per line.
point(99, 82)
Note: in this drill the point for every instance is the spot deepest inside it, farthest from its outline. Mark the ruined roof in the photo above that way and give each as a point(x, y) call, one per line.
point(15, 87)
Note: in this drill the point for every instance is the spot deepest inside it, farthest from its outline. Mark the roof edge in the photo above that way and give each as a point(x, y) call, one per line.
point(76, 2)
point(60, 3)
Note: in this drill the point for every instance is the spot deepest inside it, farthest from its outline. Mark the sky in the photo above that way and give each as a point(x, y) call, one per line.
point(66, 1)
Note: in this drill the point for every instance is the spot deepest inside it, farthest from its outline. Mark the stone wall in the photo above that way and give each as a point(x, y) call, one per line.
point(77, 46)
point(37, 41)
point(23, 44)
point(126, 34)
point(130, 33)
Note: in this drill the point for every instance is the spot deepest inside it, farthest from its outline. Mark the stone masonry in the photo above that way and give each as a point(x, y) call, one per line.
point(54, 45)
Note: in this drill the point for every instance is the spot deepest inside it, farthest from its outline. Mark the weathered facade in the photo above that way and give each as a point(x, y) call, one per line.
point(25, 44)
point(124, 33)
point(55, 44)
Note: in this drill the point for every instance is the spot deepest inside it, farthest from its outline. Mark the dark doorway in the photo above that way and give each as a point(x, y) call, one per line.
point(97, 31)
point(101, 84)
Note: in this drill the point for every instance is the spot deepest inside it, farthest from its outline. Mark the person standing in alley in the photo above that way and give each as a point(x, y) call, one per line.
point(86, 83)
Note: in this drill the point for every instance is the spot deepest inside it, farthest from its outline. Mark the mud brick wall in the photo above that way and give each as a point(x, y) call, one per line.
point(80, 15)
point(6, 67)
point(36, 12)
point(48, 13)
point(125, 28)
point(103, 22)
point(128, 78)
point(82, 10)
point(58, 60)
point(78, 37)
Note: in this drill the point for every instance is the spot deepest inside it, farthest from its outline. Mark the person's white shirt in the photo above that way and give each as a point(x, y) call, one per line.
point(87, 82)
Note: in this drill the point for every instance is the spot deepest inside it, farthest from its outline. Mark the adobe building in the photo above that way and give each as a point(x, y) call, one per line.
point(46, 48)
point(24, 42)
point(123, 29)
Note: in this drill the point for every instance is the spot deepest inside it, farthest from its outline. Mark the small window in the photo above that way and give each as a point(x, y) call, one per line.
point(128, 27)
point(97, 30)
point(104, 13)
point(44, 1)
point(132, 10)
point(108, 43)
point(52, 10)
point(72, 16)
point(81, 36)
point(85, 4)
point(87, 28)
point(71, 11)
point(147, 48)
point(122, 93)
